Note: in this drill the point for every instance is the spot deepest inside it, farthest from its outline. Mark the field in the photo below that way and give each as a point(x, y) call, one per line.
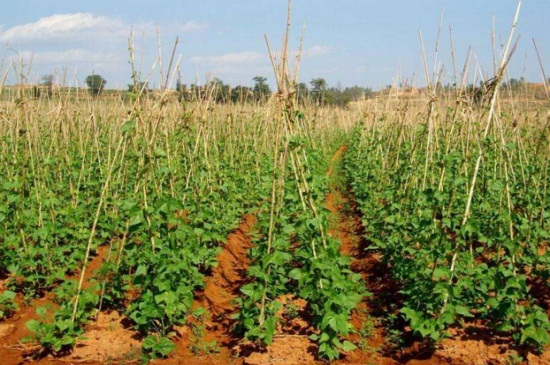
point(406, 228)
point(395, 231)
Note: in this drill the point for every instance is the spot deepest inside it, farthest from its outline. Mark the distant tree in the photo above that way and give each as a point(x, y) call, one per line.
point(96, 84)
point(181, 89)
point(242, 94)
point(219, 91)
point(355, 93)
point(196, 92)
point(318, 85)
point(369, 93)
point(261, 88)
point(302, 92)
point(513, 84)
point(319, 90)
point(47, 82)
point(139, 87)
point(35, 91)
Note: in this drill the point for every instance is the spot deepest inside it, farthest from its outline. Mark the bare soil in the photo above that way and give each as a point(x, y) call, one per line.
point(107, 339)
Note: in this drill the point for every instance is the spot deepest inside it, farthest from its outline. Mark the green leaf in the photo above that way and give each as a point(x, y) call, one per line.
point(149, 342)
point(135, 221)
point(463, 311)
point(348, 346)
point(41, 311)
point(440, 273)
point(141, 270)
point(9, 295)
point(128, 126)
point(32, 325)
point(159, 153)
point(295, 274)
point(164, 347)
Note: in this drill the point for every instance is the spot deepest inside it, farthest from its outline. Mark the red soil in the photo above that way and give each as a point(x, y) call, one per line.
point(109, 339)
point(286, 349)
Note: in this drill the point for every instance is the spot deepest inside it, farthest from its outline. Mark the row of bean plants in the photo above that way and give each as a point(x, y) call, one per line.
point(294, 254)
point(462, 221)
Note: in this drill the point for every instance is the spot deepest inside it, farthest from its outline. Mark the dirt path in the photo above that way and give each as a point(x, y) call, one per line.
point(347, 228)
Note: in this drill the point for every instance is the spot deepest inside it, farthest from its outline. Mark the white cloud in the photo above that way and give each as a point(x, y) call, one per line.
point(80, 27)
point(192, 26)
point(229, 59)
point(71, 56)
point(64, 26)
point(84, 42)
point(317, 50)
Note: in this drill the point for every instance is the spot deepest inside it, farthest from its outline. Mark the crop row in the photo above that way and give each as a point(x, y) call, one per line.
point(461, 218)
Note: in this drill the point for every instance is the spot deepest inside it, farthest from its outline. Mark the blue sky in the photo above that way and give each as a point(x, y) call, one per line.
point(347, 42)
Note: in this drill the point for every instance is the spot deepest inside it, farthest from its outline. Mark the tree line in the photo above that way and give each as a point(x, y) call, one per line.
point(318, 91)
point(95, 83)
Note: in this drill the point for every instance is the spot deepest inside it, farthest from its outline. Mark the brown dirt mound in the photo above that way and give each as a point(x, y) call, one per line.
point(291, 316)
point(103, 342)
point(287, 350)
point(6, 329)
point(107, 339)
point(291, 343)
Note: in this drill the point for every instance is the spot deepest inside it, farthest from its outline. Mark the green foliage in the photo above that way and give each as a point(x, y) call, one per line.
point(96, 84)
point(141, 87)
point(166, 211)
point(199, 346)
point(59, 333)
point(300, 263)
point(322, 94)
point(157, 347)
point(261, 88)
point(7, 304)
point(454, 270)
point(218, 92)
